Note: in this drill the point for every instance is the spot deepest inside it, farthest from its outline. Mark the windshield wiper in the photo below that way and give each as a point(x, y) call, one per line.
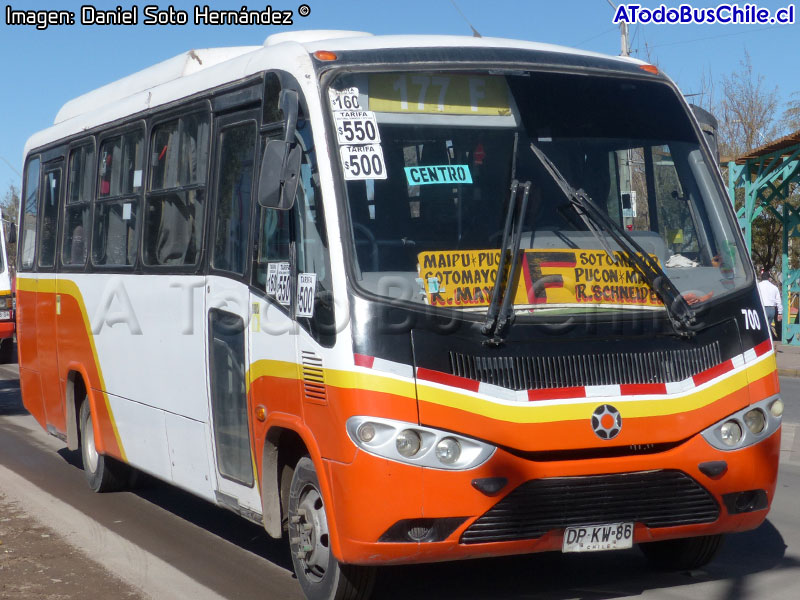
point(499, 316)
point(680, 314)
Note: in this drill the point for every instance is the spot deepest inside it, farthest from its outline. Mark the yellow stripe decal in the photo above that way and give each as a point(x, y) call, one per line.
point(538, 413)
point(532, 412)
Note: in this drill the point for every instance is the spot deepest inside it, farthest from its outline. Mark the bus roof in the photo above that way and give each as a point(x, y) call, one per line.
point(197, 70)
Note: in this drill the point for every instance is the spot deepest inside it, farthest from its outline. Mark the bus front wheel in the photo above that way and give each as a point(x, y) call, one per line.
point(103, 473)
point(682, 554)
point(321, 576)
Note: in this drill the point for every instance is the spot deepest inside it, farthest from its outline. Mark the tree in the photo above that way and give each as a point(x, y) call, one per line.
point(9, 206)
point(791, 117)
point(746, 112)
point(748, 118)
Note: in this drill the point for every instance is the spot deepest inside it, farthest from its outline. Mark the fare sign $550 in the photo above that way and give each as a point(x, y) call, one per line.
point(356, 127)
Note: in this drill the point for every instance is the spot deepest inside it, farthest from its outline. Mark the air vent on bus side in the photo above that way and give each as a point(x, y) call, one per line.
point(313, 378)
point(575, 370)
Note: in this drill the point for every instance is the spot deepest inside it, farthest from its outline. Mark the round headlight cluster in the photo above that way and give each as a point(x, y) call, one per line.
point(418, 445)
point(731, 433)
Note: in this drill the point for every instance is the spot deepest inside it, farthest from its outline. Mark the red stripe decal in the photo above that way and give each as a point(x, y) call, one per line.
point(526, 273)
point(446, 379)
point(557, 393)
point(763, 347)
point(713, 372)
point(635, 389)
point(362, 360)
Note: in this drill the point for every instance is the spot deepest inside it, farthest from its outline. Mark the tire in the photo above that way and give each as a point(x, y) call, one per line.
point(103, 473)
point(321, 576)
point(683, 554)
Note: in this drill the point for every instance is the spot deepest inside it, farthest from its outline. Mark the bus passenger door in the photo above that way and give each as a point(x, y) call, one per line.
point(47, 301)
point(227, 302)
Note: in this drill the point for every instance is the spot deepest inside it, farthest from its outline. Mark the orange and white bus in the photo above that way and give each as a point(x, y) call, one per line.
point(404, 299)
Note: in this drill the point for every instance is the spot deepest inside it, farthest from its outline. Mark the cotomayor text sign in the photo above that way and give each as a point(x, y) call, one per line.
point(551, 277)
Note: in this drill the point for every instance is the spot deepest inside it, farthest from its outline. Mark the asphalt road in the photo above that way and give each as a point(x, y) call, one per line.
point(169, 544)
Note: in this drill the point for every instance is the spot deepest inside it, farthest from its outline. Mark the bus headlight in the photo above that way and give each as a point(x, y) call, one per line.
point(408, 443)
point(416, 445)
point(755, 420)
point(776, 408)
point(5, 302)
point(747, 426)
point(448, 451)
point(730, 433)
point(366, 432)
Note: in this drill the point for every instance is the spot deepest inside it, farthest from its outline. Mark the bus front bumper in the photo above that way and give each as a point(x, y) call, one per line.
point(382, 506)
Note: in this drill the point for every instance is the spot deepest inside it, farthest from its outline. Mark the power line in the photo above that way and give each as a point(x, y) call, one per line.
point(594, 37)
point(474, 31)
point(10, 166)
point(712, 37)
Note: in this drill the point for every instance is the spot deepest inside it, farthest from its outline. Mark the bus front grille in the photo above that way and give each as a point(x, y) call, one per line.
point(655, 498)
point(575, 370)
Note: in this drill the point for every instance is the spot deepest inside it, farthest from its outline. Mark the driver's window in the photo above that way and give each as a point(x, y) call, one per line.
point(297, 238)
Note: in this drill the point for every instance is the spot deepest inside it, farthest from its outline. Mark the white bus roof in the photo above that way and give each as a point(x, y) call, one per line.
point(197, 70)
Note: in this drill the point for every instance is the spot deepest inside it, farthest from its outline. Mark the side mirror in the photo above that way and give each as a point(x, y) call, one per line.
point(12, 233)
point(280, 174)
point(280, 165)
point(710, 127)
point(289, 104)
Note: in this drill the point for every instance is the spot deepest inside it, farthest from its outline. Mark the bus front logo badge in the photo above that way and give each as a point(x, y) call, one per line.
point(606, 422)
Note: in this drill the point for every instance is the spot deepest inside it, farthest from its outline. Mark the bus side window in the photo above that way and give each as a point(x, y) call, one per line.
point(234, 195)
point(114, 237)
point(30, 211)
point(175, 201)
point(51, 192)
point(79, 195)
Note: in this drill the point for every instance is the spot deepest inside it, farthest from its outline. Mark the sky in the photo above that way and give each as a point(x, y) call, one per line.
point(40, 70)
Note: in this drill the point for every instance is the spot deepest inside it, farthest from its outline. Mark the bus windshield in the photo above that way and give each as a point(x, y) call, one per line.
point(430, 160)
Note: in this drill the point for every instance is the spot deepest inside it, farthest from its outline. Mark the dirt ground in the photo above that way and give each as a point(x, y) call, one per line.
point(36, 564)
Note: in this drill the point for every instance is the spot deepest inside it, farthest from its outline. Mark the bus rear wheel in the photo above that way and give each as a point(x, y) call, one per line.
point(321, 576)
point(103, 473)
point(682, 554)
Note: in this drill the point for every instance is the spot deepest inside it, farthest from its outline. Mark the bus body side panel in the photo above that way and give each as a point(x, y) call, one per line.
point(129, 333)
point(28, 356)
point(74, 345)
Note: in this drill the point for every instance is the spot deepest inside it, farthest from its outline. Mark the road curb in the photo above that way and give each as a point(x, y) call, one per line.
point(789, 372)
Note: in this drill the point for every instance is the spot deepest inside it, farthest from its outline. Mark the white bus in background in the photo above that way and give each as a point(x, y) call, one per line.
point(8, 234)
point(377, 294)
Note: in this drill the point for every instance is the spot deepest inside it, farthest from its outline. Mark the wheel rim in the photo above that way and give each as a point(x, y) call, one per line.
point(313, 541)
point(90, 456)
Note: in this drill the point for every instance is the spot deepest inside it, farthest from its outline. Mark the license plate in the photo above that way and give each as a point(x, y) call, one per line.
point(594, 538)
point(5, 315)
